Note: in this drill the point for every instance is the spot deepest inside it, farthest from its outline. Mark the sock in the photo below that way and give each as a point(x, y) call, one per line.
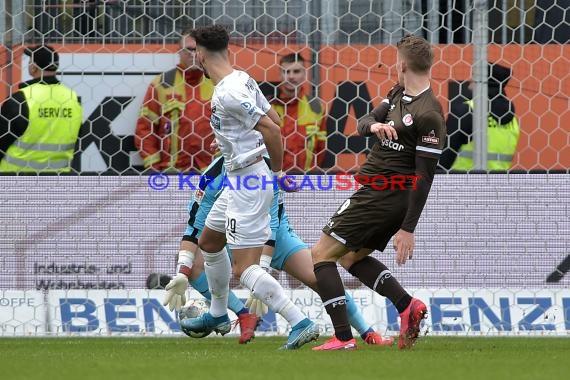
point(234, 303)
point(355, 317)
point(201, 285)
point(243, 310)
point(267, 289)
point(218, 269)
point(364, 334)
point(378, 277)
point(332, 293)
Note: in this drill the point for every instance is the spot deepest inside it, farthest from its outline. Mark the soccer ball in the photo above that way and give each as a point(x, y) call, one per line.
point(193, 309)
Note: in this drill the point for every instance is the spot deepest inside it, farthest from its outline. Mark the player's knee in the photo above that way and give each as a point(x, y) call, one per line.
point(216, 256)
point(319, 254)
point(238, 270)
point(211, 241)
point(327, 249)
point(351, 258)
point(347, 261)
point(211, 246)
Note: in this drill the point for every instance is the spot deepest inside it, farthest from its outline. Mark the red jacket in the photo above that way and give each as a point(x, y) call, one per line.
point(173, 130)
point(304, 132)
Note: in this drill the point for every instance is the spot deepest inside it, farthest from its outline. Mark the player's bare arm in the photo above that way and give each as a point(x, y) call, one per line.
point(272, 137)
point(271, 133)
point(274, 116)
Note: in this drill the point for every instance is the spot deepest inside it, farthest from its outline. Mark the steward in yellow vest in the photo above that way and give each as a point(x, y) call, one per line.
point(39, 124)
point(502, 140)
point(503, 129)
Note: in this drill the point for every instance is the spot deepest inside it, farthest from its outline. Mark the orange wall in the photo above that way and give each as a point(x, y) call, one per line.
point(540, 87)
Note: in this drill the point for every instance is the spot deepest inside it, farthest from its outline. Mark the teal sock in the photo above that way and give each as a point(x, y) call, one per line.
point(234, 303)
point(355, 317)
point(201, 285)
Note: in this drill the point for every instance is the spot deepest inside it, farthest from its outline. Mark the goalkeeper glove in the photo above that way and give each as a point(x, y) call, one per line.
point(175, 296)
point(255, 306)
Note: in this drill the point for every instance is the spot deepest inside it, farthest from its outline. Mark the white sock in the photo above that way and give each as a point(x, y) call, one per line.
point(218, 272)
point(267, 289)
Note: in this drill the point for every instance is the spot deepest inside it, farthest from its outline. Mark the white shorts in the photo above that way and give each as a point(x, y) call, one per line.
point(242, 210)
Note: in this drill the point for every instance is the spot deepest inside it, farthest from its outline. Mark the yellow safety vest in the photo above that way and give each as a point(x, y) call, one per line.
point(175, 97)
point(48, 143)
point(502, 143)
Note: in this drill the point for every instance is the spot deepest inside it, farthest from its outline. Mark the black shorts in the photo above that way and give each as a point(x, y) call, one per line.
point(369, 218)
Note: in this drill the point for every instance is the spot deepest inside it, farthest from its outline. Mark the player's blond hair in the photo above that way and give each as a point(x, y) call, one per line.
point(417, 53)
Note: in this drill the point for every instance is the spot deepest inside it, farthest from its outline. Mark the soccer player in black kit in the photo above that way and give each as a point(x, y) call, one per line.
point(410, 127)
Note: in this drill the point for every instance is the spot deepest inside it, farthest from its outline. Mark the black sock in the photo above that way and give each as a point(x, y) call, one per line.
point(331, 291)
point(378, 277)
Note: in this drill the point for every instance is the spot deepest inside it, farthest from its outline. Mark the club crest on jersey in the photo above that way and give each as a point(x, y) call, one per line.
point(407, 120)
point(198, 196)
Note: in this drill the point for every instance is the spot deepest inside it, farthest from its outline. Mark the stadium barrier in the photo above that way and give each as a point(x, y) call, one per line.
point(76, 248)
point(461, 312)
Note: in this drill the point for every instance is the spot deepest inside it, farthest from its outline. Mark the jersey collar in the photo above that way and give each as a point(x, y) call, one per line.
point(410, 98)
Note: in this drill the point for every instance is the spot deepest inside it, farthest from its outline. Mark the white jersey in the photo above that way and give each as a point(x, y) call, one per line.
point(237, 106)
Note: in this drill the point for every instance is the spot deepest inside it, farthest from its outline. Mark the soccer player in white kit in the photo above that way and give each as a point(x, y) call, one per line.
point(246, 128)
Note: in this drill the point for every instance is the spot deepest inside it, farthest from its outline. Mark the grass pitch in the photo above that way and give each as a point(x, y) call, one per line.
point(439, 358)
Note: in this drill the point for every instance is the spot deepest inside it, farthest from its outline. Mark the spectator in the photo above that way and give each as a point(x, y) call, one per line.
point(503, 127)
point(302, 121)
point(39, 124)
point(173, 131)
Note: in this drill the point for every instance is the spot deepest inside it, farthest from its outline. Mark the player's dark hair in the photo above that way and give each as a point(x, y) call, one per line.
point(292, 58)
point(417, 52)
point(213, 37)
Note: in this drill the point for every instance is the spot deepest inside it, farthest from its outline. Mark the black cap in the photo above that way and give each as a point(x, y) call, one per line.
point(43, 56)
point(498, 75)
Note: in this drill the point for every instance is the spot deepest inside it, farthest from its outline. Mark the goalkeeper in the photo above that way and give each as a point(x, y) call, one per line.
point(284, 251)
point(191, 269)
